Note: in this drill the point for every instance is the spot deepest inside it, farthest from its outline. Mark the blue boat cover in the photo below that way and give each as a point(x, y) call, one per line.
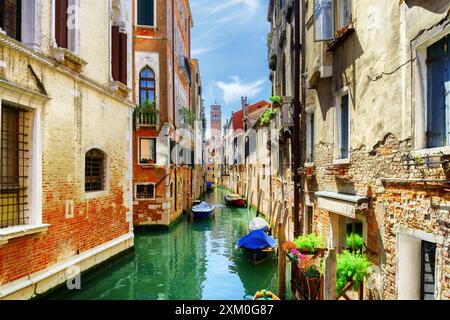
point(209, 184)
point(257, 240)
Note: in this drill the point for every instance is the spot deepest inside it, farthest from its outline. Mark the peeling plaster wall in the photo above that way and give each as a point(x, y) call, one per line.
point(382, 65)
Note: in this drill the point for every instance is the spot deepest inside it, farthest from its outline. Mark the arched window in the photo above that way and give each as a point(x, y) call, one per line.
point(147, 85)
point(94, 171)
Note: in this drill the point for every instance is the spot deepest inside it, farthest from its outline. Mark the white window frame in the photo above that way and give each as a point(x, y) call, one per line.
point(144, 184)
point(338, 159)
point(155, 16)
point(338, 10)
point(139, 151)
point(420, 88)
point(73, 37)
point(32, 103)
point(31, 24)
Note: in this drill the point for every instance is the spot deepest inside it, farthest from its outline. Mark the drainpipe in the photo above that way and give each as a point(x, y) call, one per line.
point(297, 146)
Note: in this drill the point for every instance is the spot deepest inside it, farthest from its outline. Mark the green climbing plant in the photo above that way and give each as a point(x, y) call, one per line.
point(267, 116)
point(275, 99)
point(188, 116)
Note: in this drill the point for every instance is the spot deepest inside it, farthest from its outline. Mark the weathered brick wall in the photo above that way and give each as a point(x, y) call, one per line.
point(412, 206)
point(76, 119)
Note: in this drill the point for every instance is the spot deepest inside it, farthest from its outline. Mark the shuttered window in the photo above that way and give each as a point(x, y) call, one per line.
point(10, 18)
point(119, 55)
point(61, 17)
point(146, 12)
point(438, 106)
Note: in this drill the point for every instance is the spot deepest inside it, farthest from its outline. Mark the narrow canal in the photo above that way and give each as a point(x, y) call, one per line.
point(192, 261)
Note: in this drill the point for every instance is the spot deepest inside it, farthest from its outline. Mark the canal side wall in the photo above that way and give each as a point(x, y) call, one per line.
point(65, 272)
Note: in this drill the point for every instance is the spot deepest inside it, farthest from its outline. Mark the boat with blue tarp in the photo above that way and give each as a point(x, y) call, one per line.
point(257, 246)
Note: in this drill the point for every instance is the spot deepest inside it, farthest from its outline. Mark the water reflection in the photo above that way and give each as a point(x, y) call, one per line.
point(191, 261)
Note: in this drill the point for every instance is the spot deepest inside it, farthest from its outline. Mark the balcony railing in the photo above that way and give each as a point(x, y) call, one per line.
point(144, 118)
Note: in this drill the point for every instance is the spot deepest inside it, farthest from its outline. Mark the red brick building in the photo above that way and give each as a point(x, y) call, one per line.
point(162, 86)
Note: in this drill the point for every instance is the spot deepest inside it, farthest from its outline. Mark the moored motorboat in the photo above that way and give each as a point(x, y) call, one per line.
point(203, 210)
point(258, 223)
point(235, 200)
point(257, 246)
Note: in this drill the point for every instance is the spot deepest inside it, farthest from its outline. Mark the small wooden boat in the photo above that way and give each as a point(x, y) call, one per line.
point(235, 200)
point(257, 246)
point(258, 256)
point(203, 211)
point(265, 295)
point(259, 223)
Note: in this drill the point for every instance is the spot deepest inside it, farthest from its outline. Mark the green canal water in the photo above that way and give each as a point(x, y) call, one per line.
point(192, 261)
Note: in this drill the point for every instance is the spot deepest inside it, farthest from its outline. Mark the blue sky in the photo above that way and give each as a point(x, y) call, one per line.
point(230, 40)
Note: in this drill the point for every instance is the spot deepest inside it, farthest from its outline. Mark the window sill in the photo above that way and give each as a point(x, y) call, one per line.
point(431, 152)
point(96, 195)
point(69, 59)
point(309, 165)
point(7, 234)
point(341, 161)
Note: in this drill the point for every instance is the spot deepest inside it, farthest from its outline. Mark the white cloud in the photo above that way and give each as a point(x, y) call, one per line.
point(234, 90)
point(199, 51)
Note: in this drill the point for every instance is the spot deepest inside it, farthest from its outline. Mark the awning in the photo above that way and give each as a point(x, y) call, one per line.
point(344, 204)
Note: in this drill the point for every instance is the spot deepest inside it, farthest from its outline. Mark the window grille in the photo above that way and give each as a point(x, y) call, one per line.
point(94, 171)
point(14, 161)
point(145, 191)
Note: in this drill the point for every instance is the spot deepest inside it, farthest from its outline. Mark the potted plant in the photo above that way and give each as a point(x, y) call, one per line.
point(356, 240)
point(146, 113)
point(276, 101)
point(311, 273)
point(309, 243)
point(351, 267)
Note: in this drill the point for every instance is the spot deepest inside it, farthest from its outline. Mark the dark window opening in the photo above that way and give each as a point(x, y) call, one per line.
point(344, 147)
point(438, 106)
point(309, 219)
point(145, 191)
point(146, 12)
point(94, 171)
point(14, 166)
point(11, 18)
point(428, 276)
